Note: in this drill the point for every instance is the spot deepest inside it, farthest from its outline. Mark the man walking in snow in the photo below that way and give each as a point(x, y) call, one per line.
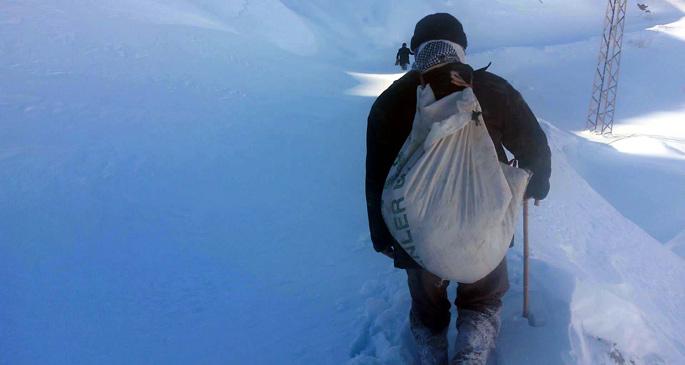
point(402, 57)
point(439, 43)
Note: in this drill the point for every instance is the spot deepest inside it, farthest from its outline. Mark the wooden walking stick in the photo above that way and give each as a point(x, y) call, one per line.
point(535, 320)
point(525, 258)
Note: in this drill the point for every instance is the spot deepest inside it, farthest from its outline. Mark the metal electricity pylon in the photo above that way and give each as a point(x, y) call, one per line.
point(600, 118)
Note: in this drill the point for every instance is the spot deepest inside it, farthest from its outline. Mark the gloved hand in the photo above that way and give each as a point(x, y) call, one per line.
point(390, 252)
point(537, 188)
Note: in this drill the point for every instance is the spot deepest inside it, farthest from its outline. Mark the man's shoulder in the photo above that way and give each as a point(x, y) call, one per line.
point(397, 101)
point(400, 90)
point(492, 83)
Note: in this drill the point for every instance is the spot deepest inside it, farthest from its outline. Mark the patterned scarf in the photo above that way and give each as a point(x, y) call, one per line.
point(433, 53)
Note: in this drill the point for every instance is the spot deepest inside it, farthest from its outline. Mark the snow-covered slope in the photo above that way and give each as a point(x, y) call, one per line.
point(258, 20)
point(162, 189)
point(677, 244)
point(182, 182)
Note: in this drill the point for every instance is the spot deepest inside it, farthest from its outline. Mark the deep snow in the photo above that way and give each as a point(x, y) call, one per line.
point(182, 182)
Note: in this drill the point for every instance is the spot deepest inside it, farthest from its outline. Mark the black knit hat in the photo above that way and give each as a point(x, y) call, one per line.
point(438, 26)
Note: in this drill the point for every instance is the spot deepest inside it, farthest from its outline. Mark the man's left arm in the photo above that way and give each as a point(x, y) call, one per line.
point(524, 137)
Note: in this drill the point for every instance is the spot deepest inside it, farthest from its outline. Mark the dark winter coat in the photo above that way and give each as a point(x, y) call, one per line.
point(403, 55)
point(509, 121)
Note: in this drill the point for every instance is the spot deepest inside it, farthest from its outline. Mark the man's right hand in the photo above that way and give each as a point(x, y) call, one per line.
point(537, 189)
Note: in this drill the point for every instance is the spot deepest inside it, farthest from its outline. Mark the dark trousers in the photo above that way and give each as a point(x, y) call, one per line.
point(429, 296)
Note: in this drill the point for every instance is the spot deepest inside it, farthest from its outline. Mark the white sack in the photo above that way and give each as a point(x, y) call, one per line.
point(448, 201)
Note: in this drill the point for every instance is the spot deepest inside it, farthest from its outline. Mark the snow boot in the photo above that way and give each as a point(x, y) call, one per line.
point(431, 347)
point(478, 331)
